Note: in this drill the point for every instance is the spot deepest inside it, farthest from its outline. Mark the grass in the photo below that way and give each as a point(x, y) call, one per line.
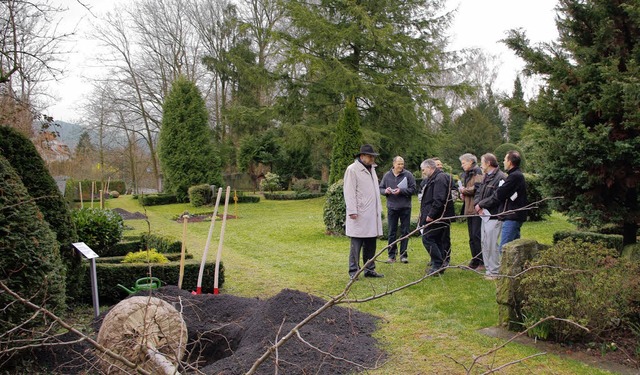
point(429, 328)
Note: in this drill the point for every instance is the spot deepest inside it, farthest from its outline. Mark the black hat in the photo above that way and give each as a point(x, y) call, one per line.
point(367, 150)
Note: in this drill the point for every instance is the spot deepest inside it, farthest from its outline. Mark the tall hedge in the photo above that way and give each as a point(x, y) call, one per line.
point(348, 138)
point(186, 149)
point(30, 261)
point(25, 160)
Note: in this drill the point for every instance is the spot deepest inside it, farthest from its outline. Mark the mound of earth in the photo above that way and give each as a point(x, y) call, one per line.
point(126, 215)
point(228, 333)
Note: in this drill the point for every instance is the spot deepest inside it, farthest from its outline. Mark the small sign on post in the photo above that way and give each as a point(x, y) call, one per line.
point(91, 255)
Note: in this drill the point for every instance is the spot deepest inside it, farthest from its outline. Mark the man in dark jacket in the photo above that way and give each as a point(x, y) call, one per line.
point(398, 185)
point(514, 195)
point(436, 209)
point(487, 206)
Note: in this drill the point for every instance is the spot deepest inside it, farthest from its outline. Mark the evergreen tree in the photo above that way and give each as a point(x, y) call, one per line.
point(30, 263)
point(517, 112)
point(590, 109)
point(186, 150)
point(387, 54)
point(348, 139)
point(25, 160)
point(85, 148)
point(488, 106)
point(471, 132)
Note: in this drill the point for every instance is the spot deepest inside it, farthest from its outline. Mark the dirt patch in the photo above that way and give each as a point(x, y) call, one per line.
point(126, 215)
point(228, 333)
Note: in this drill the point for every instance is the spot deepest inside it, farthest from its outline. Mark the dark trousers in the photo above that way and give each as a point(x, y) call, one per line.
point(433, 241)
point(474, 225)
point(393, 215)
point(368, 246)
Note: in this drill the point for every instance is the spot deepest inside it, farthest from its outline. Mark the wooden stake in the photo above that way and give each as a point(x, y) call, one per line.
point(93, 189)
point(80, 189)
point(206, 247)
point(219, 255)
point(185, 219)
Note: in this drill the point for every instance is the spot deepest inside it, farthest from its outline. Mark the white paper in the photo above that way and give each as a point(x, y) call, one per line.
point(486, 215)
point(459, 184)
point(500, 183)
point(403, 184)
point(514, 196)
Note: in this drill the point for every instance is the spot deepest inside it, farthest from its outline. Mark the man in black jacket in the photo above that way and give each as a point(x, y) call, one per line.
point(487, 206)
point(514, 195)
point(436, 209)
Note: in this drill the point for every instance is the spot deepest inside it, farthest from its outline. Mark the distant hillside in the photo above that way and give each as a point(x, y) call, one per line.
point(70, 133)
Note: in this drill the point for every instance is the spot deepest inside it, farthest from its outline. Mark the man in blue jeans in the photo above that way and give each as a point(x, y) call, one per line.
point(513, 194)
point(398, 185)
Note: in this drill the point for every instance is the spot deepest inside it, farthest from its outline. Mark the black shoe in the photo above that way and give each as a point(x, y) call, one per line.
point(435, 272)
point(404, 260)
point(373, 274)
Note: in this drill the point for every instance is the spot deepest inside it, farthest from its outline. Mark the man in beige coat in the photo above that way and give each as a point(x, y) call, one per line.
point(364, 210)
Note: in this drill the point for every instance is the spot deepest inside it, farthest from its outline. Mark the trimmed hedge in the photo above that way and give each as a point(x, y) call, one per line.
point(173, 257)
point(611, 241)
point(122, 248)
point(157, 199)
point(99, 229)
point(161, 243)
point(109, 275)
point(291, 197)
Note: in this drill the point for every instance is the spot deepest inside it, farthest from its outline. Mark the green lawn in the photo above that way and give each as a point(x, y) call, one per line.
point(429, 328)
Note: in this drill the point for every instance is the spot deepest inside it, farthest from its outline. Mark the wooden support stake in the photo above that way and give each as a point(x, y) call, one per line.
point(80, 189)
point(183, 250)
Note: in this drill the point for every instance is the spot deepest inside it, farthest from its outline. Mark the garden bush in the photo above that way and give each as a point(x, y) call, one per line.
point(30, 262)
point(611, 241)
point(171, 257)
point(305, 185)
point(145, 256)
point(199, 195)
point(291, 197)
point(270, 183)
point(99, 229)
point(157, 199)
point(162, 244)
point(335, 209)
point(535, 194)
point(582, 282)
point(27, 163)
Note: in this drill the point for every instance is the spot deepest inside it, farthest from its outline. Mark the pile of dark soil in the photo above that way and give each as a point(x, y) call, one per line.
point(228, 333)
point(126, 215)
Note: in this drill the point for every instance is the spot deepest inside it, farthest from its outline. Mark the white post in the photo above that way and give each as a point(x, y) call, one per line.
point(206, 247)
point(219, 255)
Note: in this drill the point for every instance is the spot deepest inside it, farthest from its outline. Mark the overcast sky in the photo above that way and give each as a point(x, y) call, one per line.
point(479, 23)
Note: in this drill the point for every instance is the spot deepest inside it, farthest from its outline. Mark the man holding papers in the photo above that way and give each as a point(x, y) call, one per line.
point(398, 185)
point(486, 204)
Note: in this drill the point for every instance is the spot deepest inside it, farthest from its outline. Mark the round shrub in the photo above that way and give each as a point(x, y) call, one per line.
point(145, 256)
point(99, 229)
point(30, 263)
point(583, 282)
point(114, 194)
point(335, 209)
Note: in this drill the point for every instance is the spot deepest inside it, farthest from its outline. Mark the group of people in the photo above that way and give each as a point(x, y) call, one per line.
point(494, 205)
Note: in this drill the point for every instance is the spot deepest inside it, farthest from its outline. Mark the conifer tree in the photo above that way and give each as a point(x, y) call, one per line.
point(517, 112)
point(589, 107)
point(186, 150)
point(348, 139)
